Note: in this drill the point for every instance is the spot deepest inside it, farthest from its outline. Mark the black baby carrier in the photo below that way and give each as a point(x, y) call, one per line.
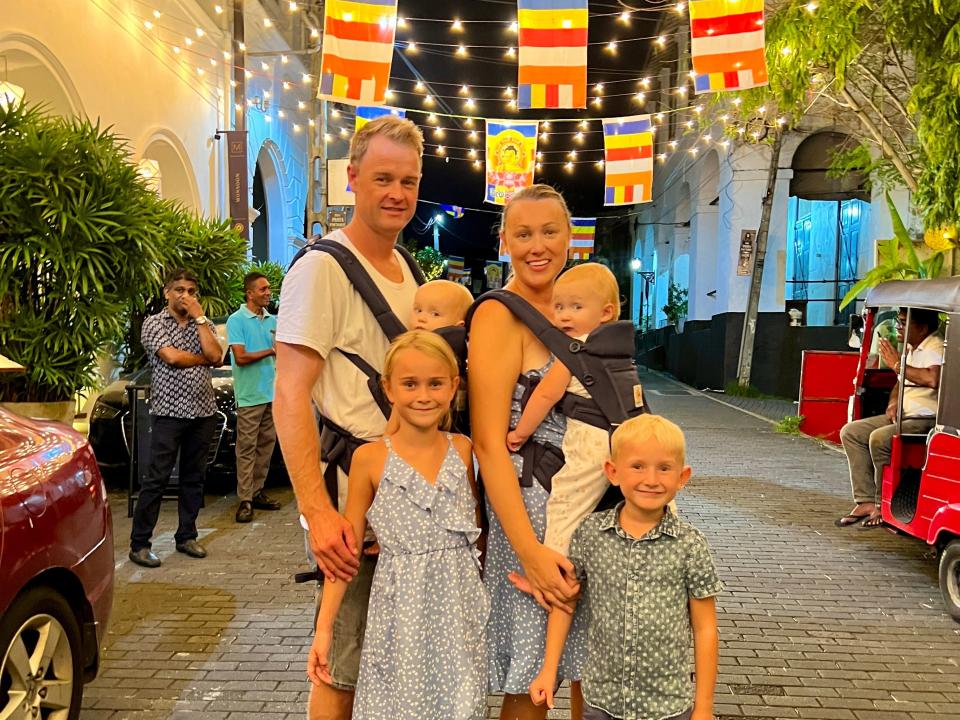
point(603, 364)
point(337, 445)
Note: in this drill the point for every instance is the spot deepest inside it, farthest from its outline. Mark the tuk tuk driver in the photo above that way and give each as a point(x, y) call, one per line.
point(867, 442)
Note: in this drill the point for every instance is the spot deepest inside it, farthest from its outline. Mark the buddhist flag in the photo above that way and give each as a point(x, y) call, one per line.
point(357, 50)
point(511, 155)
point(583, 232)
point(628, 160)
point(727, 44)
point(456, 271)
point(553, 54)
point(367, 113)
point(454, 211)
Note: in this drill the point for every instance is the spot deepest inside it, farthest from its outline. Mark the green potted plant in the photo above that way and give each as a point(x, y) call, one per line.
point(85, 244)
point(676, 307)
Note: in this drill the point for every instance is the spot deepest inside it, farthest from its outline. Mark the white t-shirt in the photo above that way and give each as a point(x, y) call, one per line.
point(922, 401)
point(321, 310)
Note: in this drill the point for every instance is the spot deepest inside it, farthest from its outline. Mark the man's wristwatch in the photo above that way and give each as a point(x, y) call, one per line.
point(201, 320)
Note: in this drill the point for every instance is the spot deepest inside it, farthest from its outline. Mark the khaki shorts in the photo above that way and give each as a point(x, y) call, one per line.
point(349, 627)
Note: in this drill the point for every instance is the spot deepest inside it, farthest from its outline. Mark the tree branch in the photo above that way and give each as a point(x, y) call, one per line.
point(891, 95)
point(885, 147)
point(884, 120)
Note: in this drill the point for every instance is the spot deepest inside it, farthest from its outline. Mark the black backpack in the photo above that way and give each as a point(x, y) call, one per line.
point(336, 444)
point(604, 365)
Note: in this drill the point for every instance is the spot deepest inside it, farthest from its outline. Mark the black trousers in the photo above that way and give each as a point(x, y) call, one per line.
point(191, 437)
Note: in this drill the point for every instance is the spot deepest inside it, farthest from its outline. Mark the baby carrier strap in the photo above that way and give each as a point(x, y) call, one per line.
point(388, 321)
point(603, 363)
point(337, 445)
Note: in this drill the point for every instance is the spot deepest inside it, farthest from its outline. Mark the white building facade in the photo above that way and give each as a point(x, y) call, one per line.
point(160, 74)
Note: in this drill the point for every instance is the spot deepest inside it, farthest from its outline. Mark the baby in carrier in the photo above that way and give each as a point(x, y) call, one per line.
point(585, 298)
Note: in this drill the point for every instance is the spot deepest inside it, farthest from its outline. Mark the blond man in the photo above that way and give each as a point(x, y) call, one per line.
point(324, 317)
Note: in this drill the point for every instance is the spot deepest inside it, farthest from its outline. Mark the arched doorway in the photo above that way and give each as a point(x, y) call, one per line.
point(268, 232)
point(32, 66)
point(165, 155)
point(827, 225)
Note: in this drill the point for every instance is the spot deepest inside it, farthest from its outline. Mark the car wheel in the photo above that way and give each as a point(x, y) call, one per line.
point(950, 577)
point(40, 659)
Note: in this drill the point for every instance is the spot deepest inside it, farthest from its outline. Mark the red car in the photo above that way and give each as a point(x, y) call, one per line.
point(56, 568)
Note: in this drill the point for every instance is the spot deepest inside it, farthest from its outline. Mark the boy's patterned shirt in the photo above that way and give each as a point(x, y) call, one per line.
point(636, 595)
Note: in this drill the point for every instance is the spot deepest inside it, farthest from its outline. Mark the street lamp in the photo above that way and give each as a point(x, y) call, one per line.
point(636, 264)
point(437, 222)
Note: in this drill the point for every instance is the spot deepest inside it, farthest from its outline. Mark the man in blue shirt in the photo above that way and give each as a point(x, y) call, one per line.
point(250, 333)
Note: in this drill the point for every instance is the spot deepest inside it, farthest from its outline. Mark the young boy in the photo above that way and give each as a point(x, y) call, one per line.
point(647, 579)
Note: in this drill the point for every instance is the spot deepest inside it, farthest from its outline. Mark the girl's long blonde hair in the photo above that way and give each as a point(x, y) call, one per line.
point(430, 344)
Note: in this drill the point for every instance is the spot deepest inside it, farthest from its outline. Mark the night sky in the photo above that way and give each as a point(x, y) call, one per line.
point(455, 181)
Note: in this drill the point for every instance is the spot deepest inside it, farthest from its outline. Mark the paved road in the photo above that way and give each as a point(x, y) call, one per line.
point(816, 622)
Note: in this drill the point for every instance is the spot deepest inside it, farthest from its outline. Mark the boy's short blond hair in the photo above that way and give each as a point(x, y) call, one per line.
point(649, 427)
point(459, 296)
point(599, 278)
point(398, 129)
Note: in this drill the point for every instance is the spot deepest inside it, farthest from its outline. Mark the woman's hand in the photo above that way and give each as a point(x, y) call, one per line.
point(318, 667)
point(541, 689)
point(551, 576)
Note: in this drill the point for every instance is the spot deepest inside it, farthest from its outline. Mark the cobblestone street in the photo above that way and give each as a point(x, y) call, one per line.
point(816, 621)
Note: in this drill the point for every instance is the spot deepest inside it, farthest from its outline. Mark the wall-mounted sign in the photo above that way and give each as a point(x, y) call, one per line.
point(747, 245)
point(237, 181)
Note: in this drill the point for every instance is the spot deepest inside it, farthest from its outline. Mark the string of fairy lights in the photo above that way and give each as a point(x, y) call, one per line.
point(290, 98)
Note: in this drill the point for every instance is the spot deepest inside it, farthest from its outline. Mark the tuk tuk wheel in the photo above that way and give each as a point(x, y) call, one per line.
point(950, 578)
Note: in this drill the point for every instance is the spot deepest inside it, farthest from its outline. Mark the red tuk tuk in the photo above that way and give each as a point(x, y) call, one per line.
point(920, 493)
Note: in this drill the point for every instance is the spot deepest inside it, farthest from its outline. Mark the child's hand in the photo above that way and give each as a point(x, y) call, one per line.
point(520, 582)
point(541, 689)
point(318, 668)
point(515, 440)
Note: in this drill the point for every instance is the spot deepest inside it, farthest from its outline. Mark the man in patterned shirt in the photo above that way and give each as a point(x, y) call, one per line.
point(183, 345)
point(647, 579)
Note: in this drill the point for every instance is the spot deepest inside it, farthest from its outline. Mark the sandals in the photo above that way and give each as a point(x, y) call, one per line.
point(849, 520)
point(871, 523)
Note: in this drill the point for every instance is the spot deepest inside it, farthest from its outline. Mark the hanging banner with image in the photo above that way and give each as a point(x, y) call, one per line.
point(494, 274)
point(511, 156)
point(628, 160)
point(357, 54)
point(552, 62)
point(727, 44)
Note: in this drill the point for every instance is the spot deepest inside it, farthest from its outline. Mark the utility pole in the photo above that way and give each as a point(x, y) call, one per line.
point(317, 204)
point(753, 300)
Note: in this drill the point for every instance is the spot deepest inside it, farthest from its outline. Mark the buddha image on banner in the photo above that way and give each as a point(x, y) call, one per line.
point(511, 155)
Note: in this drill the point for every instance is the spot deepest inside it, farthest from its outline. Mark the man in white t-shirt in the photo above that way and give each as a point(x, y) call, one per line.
point(322, 316)
point(867, 442)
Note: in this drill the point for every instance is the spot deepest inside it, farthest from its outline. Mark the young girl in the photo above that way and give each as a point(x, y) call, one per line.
point(584, 297)
point(424, 652)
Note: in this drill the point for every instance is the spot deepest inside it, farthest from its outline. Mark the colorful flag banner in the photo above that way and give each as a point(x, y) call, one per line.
point(454, 211)
point(511, 156)
point(456, 271)
point(727, 44)
point(628, 160)
point(366, 113)
point(583, 232)
point(552, 68)
point(358, 40)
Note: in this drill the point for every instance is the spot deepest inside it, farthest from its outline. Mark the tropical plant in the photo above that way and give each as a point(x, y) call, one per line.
point(273, 270)
point(676, 306)
point(898, 260)
point(80, 237)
